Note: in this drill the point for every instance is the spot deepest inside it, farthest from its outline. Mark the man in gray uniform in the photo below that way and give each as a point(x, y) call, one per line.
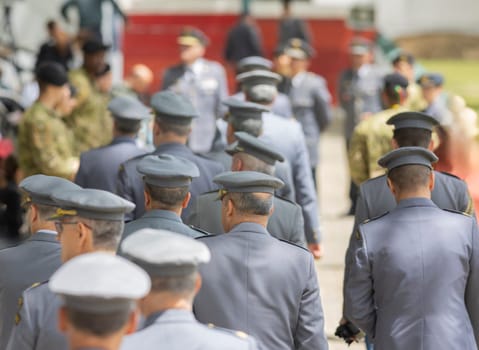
point(418, 288)
point(167, 182)
point(251, 154)
point(172, 262)
point(359, 94)
point(273, 298)
point(88, 220)
point(432, 91)
point(99, 293)
point(411, 129)
point(281, 105)
point(173, 116)
point(310, 98)
point(99, 167)
point(203, 82)
point(38, 257)
point(288, 138)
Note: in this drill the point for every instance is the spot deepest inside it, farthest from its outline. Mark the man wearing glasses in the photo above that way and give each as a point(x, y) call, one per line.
point(39, 256)
point(87, 220)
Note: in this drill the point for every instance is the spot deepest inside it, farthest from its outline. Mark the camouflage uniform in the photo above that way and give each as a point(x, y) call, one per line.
point(90, 121)
point(371, 139)
point(45, 144)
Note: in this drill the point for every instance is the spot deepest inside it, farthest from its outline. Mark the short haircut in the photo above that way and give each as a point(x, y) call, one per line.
point(179, 128)
point(250, 126)
point(126, 127)
point(251, 204)
point(45, 211)
point(410, 178)
point(178, 285)
point(394, 93)
point(106, 233)
point(412, 137)
point(167, 198)
point(252, 163)
point(262, 94)
point(98, 324)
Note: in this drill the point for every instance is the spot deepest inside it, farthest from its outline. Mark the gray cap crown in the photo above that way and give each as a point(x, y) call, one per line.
point(247, 182)
point(164, 253)
point(408, 156)
point(254, 146)
point(128, 108)
point(91, 204)
point(244, 109)
point(40, 188)
point(259, 77)
point(99, 283)
point(173, 105)
point(167, 171)
point(254, 62)
point(414, 120)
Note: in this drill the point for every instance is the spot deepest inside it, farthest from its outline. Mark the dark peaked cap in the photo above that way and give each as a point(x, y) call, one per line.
point(259, 77)
point(413, 120)
point(173, 106)
point(40, 188)
point(407, 156)
point(167, 171)
point(247, 182)
point(244, 109)
point(128, 108)
point(163, 253)
point(254, 146)
point(254, 62)
point(91, 204)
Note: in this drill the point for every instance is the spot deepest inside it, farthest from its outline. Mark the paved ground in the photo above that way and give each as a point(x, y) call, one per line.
point(336, 228)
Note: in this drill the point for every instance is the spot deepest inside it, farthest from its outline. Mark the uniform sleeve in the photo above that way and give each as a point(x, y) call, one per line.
point(297, 236)
point(305, 191)
point(125, 190)
point(309, 332)
point(357, 156)
point(322, 110)
point(82, 85)
point(222, 93)
point(466, 202)
point(359, 301)
point(23, 333)
point(53, 155)
point(194, 217)
point(472, 301)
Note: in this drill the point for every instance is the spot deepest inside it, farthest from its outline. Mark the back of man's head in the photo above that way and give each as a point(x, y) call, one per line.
point(251, 126)
point(166, 198)
point(412, 137)
point(252, 204)
point(410, 178)
point(246, 162)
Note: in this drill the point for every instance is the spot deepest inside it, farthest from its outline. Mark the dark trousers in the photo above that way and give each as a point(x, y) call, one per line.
point(353, 188)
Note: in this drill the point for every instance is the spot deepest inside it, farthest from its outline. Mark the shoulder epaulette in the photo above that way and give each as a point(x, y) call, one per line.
point(205, 233)
point(458, 212)
point(207, 236)
point(449, 174)
point(374, 218)
point(286, 200)
point(36, 284)
point(293, 244)
point(238, 334)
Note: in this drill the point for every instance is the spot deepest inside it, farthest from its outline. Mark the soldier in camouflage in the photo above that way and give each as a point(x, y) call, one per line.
point(44, 142)
point(90, 118)
point(372, 137)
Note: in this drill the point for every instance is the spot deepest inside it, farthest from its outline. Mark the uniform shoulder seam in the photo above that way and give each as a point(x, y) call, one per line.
point(458, 212)
point(375, 218)
point(293, 244)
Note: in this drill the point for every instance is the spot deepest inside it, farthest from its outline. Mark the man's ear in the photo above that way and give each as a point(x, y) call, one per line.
point(85, 238)
point(186, 201)
point(394, 144)
point(147, 199)
point(62, 320)
point(198, 283)
point(391, 186)
point(230, 209)
point(237, 164)
point(34, 213)
point(132, 322)
point(432, 180)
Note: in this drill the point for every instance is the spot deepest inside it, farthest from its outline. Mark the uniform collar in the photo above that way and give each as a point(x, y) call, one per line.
point(44, 235)
point(163, 214)
point(416, 202)
point(170, 146)
point(249, 227)
point(123, 139)
point(169, 316)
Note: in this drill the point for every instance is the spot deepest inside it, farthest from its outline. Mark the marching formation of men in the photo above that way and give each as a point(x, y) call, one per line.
point(209, 240)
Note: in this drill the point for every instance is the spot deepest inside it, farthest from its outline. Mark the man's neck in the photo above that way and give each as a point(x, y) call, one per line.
point(250, 219)
point(81, 340)
point(47, 101)
point(170, 138)
point(161, 301)
point(176, 211)
point(417, 194)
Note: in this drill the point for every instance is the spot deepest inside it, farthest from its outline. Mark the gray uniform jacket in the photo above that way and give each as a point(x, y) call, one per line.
point(439, 110)
point(358, 93)
point(162, 220)
point(287, 137)
point(285, 223)
point(176, 329)
point(265, 287)
point(281, 105)
point(31, 261)
point(37, 327)
point(206, 87)
point(130, 183)
point(311, 102)
point(282, 171)
point(99, 167)
point(418, 288)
